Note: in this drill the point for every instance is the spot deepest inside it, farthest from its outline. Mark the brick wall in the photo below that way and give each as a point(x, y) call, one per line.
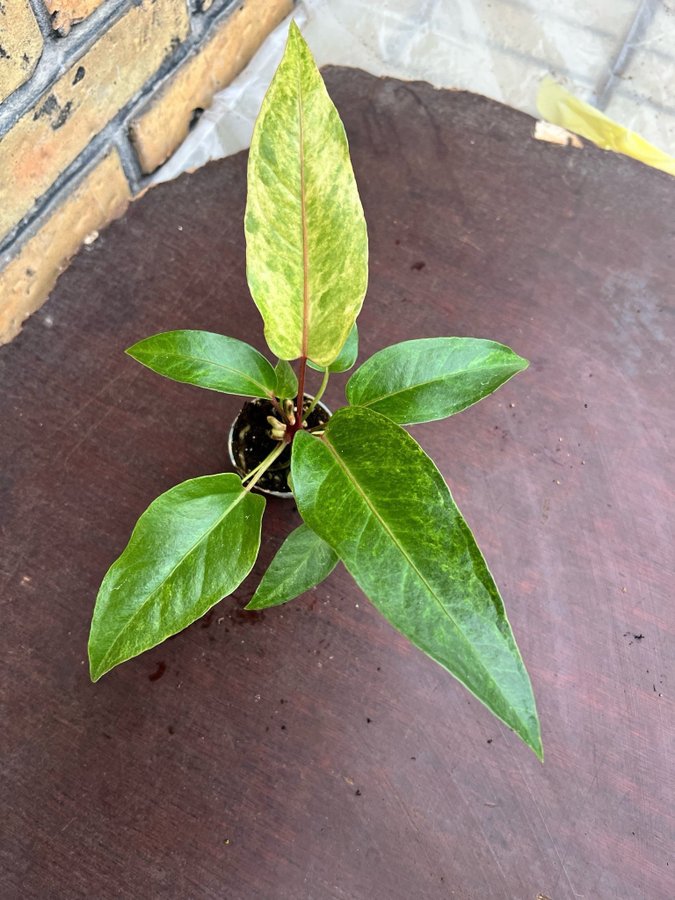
point(94, 96)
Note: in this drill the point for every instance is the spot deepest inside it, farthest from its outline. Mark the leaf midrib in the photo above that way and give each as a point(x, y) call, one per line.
point(210, 362)
point(445, 377)
point(414, 567)
point(303, 215)
point(180, 562)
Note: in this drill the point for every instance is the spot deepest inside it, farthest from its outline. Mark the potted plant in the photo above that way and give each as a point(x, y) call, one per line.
point(369, 496)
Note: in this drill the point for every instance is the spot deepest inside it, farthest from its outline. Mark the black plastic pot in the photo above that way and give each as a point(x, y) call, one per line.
point(248, 443)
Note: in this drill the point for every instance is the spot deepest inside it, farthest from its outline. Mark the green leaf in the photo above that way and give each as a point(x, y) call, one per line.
point(346, 357)
point(302, 561)
point(306, 241)
point(193, 546)
point(207, 360)
point(369, 490)
point(287, 380)
point(431, 378)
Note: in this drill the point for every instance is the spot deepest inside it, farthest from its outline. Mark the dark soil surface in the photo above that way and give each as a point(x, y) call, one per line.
point(251, 442)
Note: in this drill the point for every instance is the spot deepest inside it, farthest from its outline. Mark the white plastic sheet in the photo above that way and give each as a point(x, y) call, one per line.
point(499, 48)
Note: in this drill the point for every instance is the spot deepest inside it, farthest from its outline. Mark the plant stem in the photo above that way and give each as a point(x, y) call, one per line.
point(319, 395)
point(255, 471)
point(275, 403)
point(262, 467)
point(300, 402)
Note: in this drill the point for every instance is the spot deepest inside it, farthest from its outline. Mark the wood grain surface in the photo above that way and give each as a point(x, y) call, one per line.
point(309, 751)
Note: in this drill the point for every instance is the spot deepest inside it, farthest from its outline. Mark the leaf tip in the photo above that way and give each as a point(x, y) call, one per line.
point(531, 736)
point(296, 42)
point(97, 656)
point(538, 749)
point(133, 350)
point(96, 671)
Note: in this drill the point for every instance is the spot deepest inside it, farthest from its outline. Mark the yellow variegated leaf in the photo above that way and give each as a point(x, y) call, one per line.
point(306, 241)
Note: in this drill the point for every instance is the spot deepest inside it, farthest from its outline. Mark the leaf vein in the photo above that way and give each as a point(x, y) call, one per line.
point(447, 376)
point(211, 362)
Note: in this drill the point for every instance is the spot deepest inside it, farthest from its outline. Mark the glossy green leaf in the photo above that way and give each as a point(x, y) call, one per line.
point(207, 360)
point(306, 241)
point(287, 380)
point(346, 357)
point(193, 546)
point(431, 378)
point(303, 561)
point(369, 490)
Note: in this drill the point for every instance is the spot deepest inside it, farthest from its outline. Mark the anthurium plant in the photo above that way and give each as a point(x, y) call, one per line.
point(369, 496)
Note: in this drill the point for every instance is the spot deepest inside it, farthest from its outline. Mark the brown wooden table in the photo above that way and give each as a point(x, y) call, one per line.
point(310, 752)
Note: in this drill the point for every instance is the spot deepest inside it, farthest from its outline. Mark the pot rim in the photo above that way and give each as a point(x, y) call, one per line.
point(283, 495)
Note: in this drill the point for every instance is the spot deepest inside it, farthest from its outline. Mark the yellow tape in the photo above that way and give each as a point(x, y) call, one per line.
point(557, 105)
